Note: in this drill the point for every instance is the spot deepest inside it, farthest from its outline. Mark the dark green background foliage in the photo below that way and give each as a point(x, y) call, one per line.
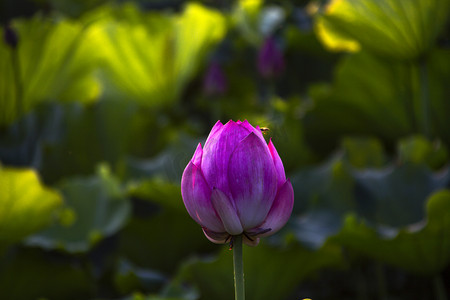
point(102, 104)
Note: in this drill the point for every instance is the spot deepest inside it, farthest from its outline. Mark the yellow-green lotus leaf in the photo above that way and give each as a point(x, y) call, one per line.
point(421, 248)
point(150, 56)
point(394, 28)
point(26, 206)
point(53, 61)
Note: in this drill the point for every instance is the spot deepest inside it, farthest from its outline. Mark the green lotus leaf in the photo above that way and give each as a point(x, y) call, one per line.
point(327, 186)
point(82, 136)
point(422, 248)
point(150, 57)
point(324, 194)
point(369, 96)
point(26, 206)
point(392, 28)
point(395, 195)
point(378, 97)
point(53, 61)
point(390, 196)
point(101, 208)
point(158, 191)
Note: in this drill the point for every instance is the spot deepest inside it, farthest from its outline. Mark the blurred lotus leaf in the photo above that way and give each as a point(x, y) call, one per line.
point(159, 191)
point(395, 195)
point(327, 186)
point(150, 57)
point(374, 96)
point(53, 61)
point(393, 28)
point(26, 206)
point(353, 94)
point(423, 247)
point(101, 209)
point(81, 136)
point(391, 196)
point(324, 194)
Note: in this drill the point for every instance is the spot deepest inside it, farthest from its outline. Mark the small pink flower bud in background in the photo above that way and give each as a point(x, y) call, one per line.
point(214, 82)
point(10, 36)
point(270, 59)
point(236, 184)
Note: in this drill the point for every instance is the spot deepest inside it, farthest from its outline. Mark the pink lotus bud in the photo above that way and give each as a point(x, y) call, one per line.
point(270, 59)
point(214, 82)
point(236, 185)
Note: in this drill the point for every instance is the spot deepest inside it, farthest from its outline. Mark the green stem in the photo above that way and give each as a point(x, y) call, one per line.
point(239, 288)
point(439, 288)
point(425, 98)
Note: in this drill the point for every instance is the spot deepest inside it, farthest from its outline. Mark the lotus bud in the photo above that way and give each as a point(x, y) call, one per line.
point(236, 185)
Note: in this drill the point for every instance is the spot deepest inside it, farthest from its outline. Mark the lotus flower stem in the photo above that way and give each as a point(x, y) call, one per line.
point(239, 288)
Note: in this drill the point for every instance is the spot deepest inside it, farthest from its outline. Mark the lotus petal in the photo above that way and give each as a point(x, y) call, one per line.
point(252, 180)
point(196, 195)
